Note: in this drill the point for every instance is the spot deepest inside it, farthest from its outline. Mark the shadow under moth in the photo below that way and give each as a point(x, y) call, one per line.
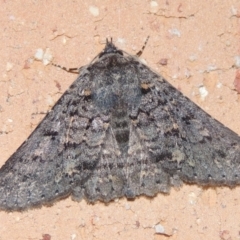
point(119, 130)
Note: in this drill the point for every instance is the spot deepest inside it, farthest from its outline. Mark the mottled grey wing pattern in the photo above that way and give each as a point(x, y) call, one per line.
point(62, 151)
point(119, 130)
point(184, 141)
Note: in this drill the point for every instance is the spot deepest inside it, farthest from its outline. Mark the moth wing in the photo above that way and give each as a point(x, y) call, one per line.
point(60, 153)
point(183, 143)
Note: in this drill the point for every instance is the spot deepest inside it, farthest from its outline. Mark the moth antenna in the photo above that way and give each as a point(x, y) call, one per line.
point(143, 47)
point(70, 70)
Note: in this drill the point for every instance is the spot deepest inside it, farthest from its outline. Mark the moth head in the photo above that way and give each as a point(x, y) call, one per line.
point(110, 48)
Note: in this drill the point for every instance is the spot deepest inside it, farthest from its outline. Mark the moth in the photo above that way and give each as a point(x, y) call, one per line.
point(119, 130)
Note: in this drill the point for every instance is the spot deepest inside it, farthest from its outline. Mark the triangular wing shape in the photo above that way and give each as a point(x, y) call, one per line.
point(119, 130)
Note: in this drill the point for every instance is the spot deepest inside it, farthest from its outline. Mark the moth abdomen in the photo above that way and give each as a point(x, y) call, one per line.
point(120, 126)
